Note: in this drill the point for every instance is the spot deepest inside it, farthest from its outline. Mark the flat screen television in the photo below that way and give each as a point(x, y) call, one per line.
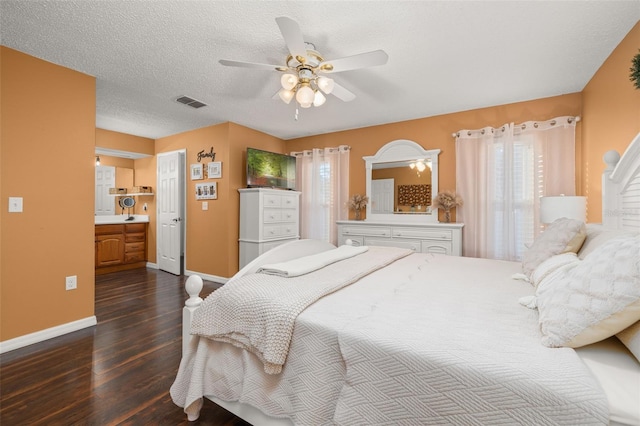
point(270, 169)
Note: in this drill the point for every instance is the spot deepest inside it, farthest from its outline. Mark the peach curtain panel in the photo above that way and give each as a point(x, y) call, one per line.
point(323, 180)
point(501, 173)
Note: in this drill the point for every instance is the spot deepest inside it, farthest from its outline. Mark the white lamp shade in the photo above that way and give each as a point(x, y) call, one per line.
point(288, 81)
point(325, 84)
point(318, 99)
point(305, 96)
point(286, 95)
point(555, 207)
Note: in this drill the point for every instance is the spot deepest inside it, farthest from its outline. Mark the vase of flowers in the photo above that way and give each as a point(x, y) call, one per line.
point(358, 202)
point(447, 200)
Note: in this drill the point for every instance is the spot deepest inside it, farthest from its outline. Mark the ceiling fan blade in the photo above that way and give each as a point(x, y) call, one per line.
point(362, 60)
point(241, 64)
point(341, 93)
point(293, 38)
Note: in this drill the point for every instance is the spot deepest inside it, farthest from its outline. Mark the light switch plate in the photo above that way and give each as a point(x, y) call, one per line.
point(15, 204)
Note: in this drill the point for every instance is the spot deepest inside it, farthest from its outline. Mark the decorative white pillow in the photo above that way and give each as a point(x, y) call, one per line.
point(597, 234)
point(630, 336)
point(551, 265)
point(562, 236)
point(593, 300)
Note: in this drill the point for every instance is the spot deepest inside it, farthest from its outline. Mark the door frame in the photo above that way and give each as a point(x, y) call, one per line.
point(182, 159)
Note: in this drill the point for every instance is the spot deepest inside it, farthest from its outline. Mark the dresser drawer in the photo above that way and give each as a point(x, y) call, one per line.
point(289, 201)
point(132, 238)
point(356, 240)
point(409, 244)
point(440, 247)
point(132, 247)
point(423, 234)
point(289, 215)
point(137, 256)
point(367, 231)
point(135, 227)
point(280, 231)
point(272, 215)
point(272, 200)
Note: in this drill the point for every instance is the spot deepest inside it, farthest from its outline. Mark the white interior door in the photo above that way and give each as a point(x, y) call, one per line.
point(170, 203)
point(105, 179)
point(382, 195)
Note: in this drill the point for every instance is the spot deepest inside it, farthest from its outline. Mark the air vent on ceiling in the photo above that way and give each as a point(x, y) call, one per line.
point(190, 102)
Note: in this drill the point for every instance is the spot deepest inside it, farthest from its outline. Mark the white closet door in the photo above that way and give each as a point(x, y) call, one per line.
point(105, 179)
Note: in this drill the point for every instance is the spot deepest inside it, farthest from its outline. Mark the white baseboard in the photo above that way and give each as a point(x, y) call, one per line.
point(48, 333)
point(207, 277)
point(152, 265)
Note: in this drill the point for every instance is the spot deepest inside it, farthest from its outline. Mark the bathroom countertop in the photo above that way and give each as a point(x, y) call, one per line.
point(121, 218)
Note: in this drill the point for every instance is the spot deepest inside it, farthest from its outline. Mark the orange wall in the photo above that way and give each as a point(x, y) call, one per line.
point(124, 142)
point(435, 132)
point(212, 235)
point(612, 117)
point(48, 140)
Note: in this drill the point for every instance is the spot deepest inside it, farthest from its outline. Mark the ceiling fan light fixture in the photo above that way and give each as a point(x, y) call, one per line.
point(288, 81)
point(318, 99)
point(325, 84)
point(305, 96)
point(286, 95)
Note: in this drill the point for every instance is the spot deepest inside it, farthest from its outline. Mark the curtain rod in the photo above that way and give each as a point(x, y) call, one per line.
point(341, 147)
point(522, 126)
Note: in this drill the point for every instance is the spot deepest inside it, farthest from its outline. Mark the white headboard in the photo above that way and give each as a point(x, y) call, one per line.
point(621, 188)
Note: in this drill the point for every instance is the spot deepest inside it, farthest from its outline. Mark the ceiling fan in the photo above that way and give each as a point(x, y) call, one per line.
point(304, 70)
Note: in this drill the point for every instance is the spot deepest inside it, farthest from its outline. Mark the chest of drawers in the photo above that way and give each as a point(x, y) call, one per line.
point(444, 238)
point(268, 218)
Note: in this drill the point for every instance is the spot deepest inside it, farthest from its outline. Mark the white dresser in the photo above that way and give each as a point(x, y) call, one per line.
point(268, 218)
point(445, 238)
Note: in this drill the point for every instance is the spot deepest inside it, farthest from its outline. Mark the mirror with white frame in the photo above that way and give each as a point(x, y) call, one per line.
point(401, 181)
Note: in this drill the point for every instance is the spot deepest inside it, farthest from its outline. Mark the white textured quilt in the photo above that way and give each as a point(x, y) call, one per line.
point(257, 312)
point(428, 339)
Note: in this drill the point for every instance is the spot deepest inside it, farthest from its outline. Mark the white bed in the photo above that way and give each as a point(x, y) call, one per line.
point(428, 339)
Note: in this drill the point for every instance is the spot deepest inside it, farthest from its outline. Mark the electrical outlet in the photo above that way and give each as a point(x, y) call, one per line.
point(71, 283)
point(205, 205)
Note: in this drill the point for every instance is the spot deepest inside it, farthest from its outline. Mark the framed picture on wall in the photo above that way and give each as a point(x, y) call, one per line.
point(214, 169)
point(196, 172)
point(207, 191)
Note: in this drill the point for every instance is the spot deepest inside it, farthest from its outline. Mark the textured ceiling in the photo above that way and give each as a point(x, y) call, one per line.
point(444, 56)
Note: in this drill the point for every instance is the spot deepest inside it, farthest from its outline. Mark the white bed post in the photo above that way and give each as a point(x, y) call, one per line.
point(194, 287)
point(610, 196)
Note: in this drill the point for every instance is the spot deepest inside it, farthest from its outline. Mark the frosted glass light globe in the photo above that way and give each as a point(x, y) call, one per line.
point(318, 99)
point(304, 96)
point(325, 84)
point(288, 81)
point(286, 95)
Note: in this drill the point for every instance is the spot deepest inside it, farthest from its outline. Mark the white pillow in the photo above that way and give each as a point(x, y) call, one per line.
point(597, 235)
point(630, 336)
point(552, 265)
point(562, 236)
point(593, 300)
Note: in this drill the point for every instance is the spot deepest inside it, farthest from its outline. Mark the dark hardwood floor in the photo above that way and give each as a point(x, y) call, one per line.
point(118, 372)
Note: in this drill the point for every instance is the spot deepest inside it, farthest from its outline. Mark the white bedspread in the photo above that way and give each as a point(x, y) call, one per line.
point(257, 312)
point(427, 340)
